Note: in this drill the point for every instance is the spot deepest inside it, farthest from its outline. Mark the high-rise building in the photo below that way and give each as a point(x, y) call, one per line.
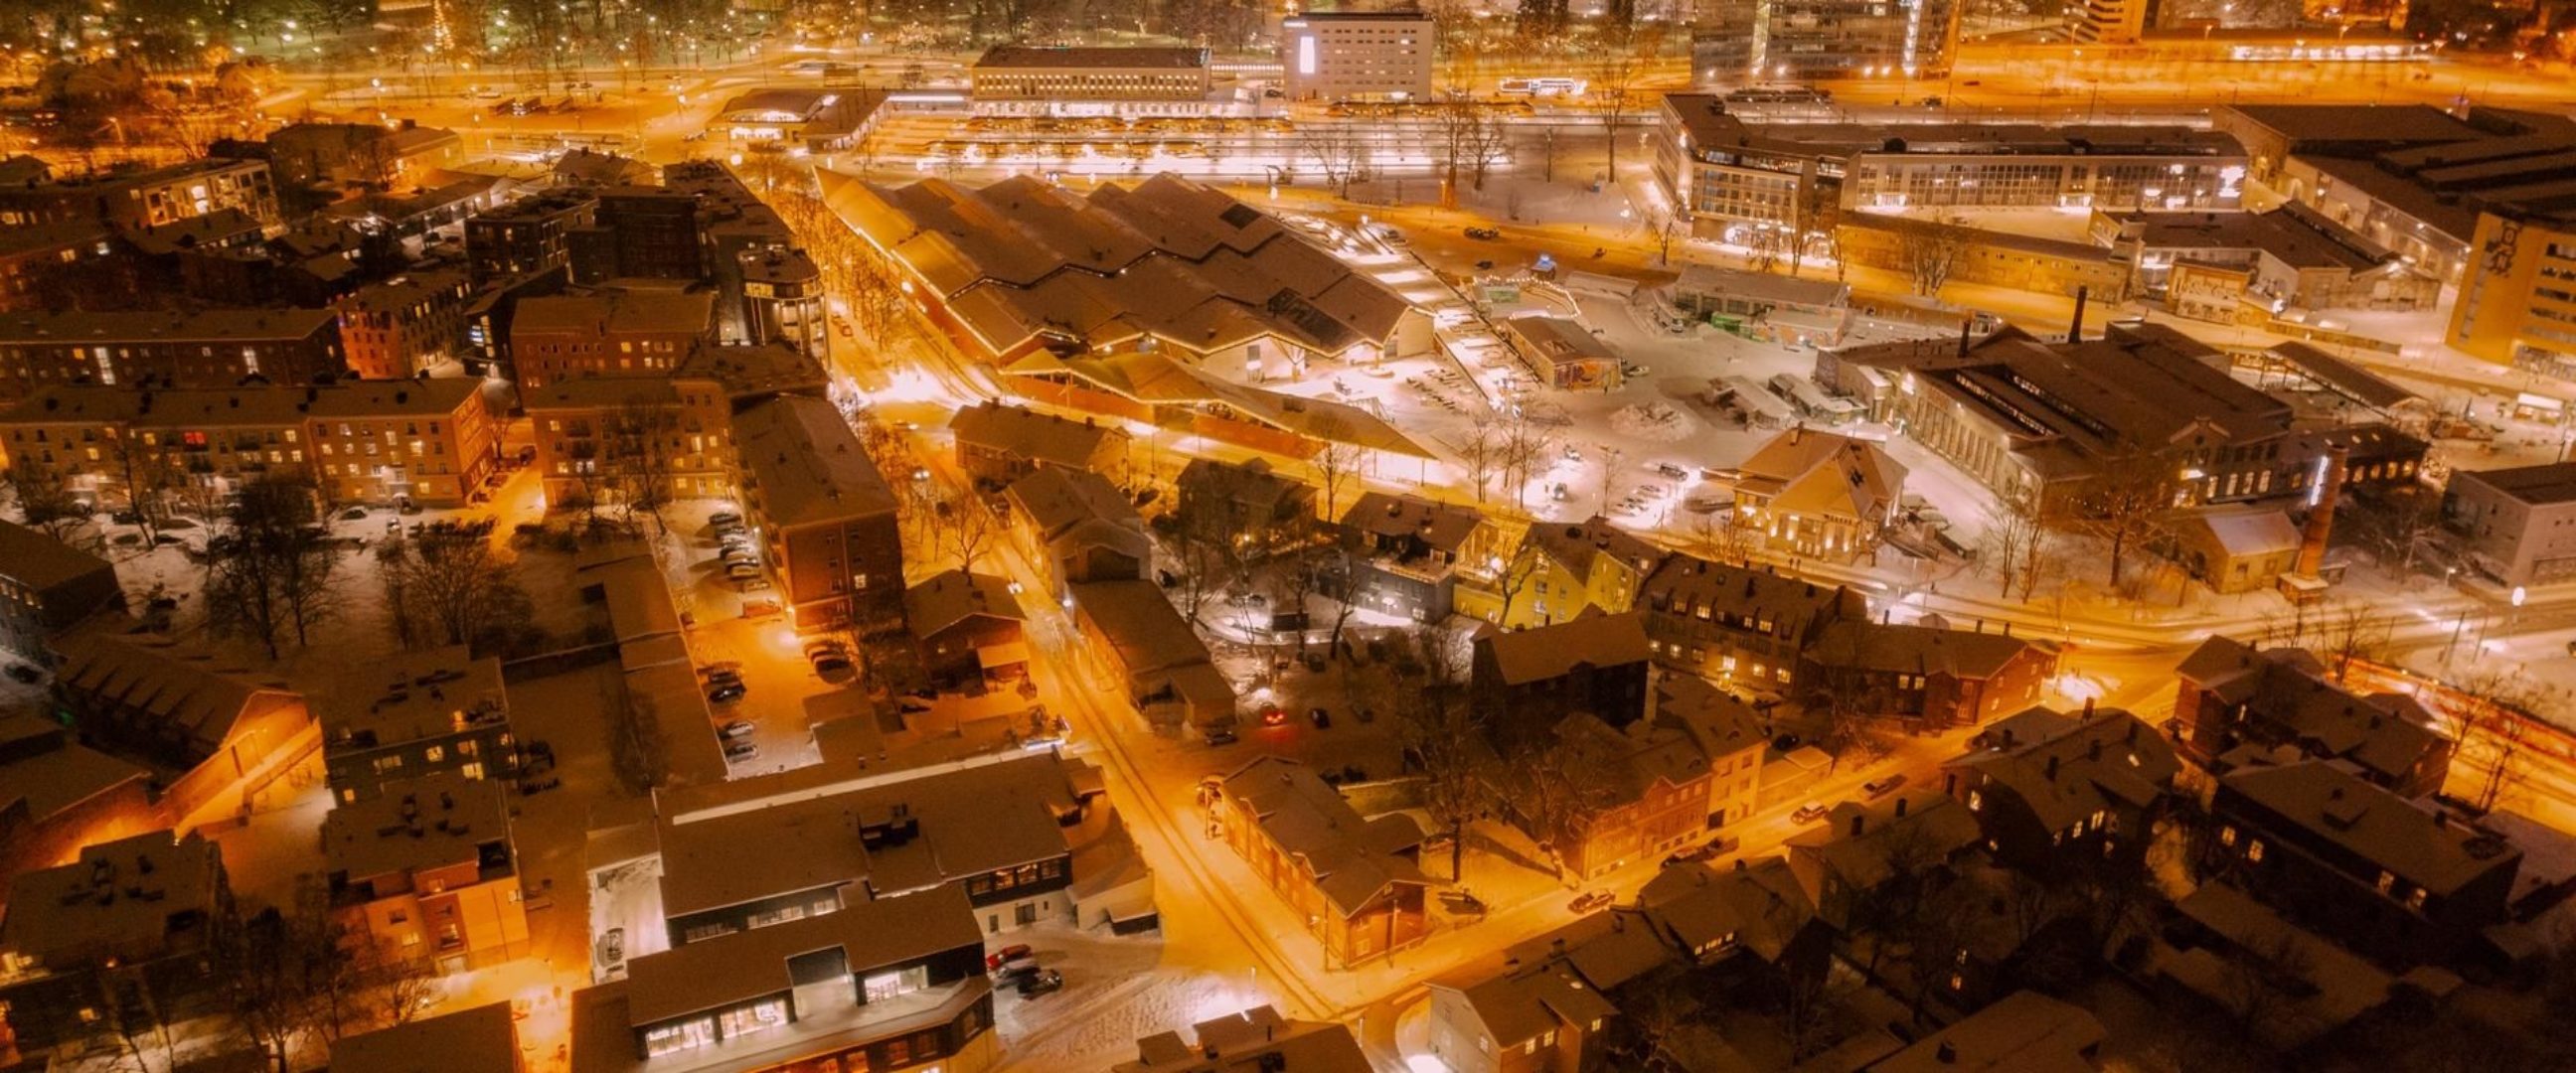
point(1741, 41)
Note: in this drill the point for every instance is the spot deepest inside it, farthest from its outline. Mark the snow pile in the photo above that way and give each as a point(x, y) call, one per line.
point(1658, 422)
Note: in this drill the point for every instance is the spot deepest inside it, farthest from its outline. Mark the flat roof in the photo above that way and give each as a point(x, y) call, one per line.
point(209, 325)
point(77, 913)
point(1004, 57)
point(59, 777)
point(2369, 123)
point(1714, 129)
point(430, 822)
point(2547, 483)
point(483, 1038)
point(2295, 235)
point(413, 695)
point(728, 969)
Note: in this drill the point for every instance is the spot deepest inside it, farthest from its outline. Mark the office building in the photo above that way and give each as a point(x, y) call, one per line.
point(1734, 177)
point(1357, 55)
point(2518, 297)
point(1807, 40)
point(1135, 81)
point(2515, 522)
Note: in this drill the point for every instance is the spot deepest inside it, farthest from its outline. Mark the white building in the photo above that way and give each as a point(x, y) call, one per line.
point(1357, 55)
point(2520, 522)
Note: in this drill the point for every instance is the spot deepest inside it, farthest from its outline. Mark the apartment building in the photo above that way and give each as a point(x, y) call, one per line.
point(528, 236)
point(1082, 525)
point(600, 440)
point(1255, 1039)
point(429, 442)
point(133, 200)
point(1924, 677)
point(1404, 555)
point(362, 155)
point(1138, 81)
point(782, 300)
point(998, 444)
point(2368, 867)
point(116, 941)
point(1558, 571)
point(403, 326)
point(43, 263)
point(393, 442)
point(1736, 624)
point(1731, 733)
point(1526, 681)
point(1357, 55)
point(2055, 791)
point(438, 711)
point(58, 795)
point(46, 588)
point(645, 333)
point(482, 1037)
point(427, 871)
point(824, 512)
point(1261, 509)
point(2237, 704)
point(1357, 883)
point(205, 349)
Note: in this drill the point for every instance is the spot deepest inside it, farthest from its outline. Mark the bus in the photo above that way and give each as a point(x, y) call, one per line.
point(1543, 87)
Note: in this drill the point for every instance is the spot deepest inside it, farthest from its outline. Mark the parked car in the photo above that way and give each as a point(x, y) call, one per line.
point(738, 751)
point(1591, 902)
point(1322, 719)
point(740, 572)
point(835, 668)
point(1878, 788)
point(23, 674)
point(1809, 812)
point(1670, 470)
point(1701, 852)
point(996, 959)
point(1041, 982)
point(724, 518)
point(739, 728)
point(1462, 903)
point(1220, 735)
point(1273, 716)
point(726, 692)
point(533, 787)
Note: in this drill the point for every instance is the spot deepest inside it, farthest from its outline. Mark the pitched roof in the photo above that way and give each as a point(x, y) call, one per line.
point(1168, 257)
point(1577, 545)
point(1351, 859)
point(1916, 649)
point(1723, 724)
point(1863, 842)
point(190, 690)
point(1032, 436)
point(1688, 585)
point(1633, 762)
point(58, 775)
point(1544, 652)
point(2387, 733)
point(2067, 768)
point(1706, 908)
point(950, 597)
point(1822, 474)
point(1140, 623)
point(808, 463)
point(2374, 824)
point(2025, 1032)
point(1058, 499)
point(1445, 526)
point(1257, 1040)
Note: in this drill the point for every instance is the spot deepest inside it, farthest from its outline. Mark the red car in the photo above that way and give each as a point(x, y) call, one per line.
point(1273, 716)
point(994, 960)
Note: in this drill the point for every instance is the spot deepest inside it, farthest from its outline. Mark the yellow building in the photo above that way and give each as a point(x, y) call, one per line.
point(1560, 569)
point(2518, 294)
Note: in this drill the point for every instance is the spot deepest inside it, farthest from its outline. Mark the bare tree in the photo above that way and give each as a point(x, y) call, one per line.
point(46, 502)
point(2495, 729)
point(2128, 504)
point(966, 527)
point(1337, 463)
point(641, 447)
point(1614, 84)
point(1482, 455)
point(1444, 737)
point(1528, 449)
point(1930, 251)
point(1338, 152)
point(145, 477)
point(450, 585)
point(1720, 536)
point(1471, 139)
point(1562, 791)
point(1815, 213)
point(269, 566)
point(2019, 543)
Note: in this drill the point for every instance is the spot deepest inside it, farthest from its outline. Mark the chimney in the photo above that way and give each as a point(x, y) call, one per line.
point(2088, 706)
point(2052, 769)
point(2329, 489)
point(1900, 808)
point(2075, 328)
point(1947, 1053)
point(1859, 824)
point(1963, 338)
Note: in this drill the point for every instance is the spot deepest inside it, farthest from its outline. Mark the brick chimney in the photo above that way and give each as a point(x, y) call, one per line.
point(2312, 543)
